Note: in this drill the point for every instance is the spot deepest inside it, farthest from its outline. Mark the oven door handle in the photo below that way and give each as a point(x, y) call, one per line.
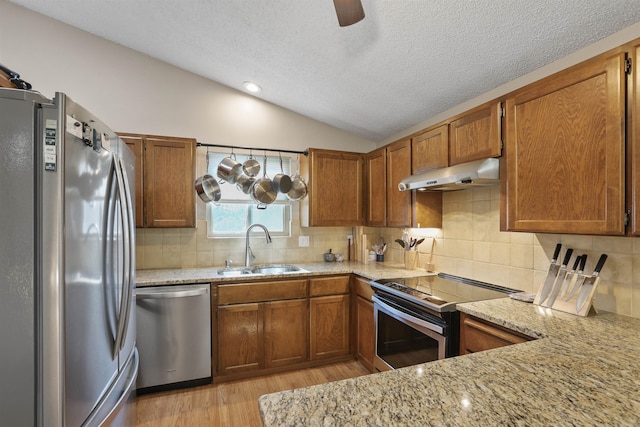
point(405, 316)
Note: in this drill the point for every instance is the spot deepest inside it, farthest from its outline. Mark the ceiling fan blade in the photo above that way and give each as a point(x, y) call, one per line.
point(349, 11)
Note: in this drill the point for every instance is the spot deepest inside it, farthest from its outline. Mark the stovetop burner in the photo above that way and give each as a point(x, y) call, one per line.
point(441, 292)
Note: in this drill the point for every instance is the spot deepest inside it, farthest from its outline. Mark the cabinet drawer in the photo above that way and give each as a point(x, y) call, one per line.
point(479, 336)
point(264, 291)
point(329, 286)
point(363, 289)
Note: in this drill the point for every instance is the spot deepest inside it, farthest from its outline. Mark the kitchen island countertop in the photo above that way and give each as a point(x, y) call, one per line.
point(580, 371)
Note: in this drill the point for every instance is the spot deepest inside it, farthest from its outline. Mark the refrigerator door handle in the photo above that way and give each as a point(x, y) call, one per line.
point(130, 220)
point(126, 271)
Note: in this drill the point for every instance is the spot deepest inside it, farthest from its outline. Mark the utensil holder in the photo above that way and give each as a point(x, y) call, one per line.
point(380, 257)
point(410, 260)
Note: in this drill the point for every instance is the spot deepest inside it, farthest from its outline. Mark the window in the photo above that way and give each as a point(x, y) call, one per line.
point(236, 211)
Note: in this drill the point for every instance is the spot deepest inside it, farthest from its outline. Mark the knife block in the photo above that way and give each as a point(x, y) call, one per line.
point(570, 306)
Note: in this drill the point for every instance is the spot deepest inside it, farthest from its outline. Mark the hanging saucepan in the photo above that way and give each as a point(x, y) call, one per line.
point(208, 189)
point(229, 169)
point(262, 191)
point(244, 183)
point(298, 187)
point(281, 182)
point(251, 166)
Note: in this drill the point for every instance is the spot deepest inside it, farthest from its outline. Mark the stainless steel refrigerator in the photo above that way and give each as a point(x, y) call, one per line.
point(67, 266)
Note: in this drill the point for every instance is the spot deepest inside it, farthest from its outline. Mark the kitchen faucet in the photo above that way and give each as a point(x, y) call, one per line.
point(248, 253)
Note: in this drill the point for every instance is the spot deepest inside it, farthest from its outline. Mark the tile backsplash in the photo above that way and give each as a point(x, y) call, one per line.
point(470, 245)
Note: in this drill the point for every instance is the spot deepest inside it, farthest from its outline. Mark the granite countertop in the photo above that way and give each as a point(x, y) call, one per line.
point(178, 276)
point(580, 371)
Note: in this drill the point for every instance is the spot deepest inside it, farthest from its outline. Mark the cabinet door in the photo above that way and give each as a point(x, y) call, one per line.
point(398, 168)
point(240, 338)
point(169, 196)
point(329, 326)
point(137, 146)
point(335, 189)
point(377, 188)
point(479, 335)
point(476, 134)
point(633, 199)
point(286, 332)
point(366, 332)
point(565, 152)
point(430, 149)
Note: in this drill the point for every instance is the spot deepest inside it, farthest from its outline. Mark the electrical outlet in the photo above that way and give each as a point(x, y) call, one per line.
point(303, 241)
point(350, 237)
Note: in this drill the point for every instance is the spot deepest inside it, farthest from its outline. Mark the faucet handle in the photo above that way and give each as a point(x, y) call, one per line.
point(228, 262)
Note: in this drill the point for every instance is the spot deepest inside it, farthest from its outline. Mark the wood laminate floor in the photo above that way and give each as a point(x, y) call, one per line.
point(233, 403)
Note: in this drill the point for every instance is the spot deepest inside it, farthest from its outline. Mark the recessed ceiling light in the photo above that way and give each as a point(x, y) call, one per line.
point(252, 87)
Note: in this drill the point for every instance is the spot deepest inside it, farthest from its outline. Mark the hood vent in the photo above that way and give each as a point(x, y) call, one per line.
point(479, 173)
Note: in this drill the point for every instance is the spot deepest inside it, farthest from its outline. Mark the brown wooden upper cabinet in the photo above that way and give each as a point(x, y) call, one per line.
point(430, 149)
point(398, 168)
point(335, 184)
point(633, 153)
point(376, 199)
point(476, 134)
point(165, 169)
point(565, 151)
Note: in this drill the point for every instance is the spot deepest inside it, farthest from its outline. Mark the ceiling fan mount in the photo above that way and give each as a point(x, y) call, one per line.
point(349, 11)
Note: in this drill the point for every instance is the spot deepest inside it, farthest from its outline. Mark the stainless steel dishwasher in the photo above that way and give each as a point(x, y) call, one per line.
point(173, 336)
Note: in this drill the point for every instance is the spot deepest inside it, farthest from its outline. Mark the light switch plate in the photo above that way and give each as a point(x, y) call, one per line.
point(303, 241)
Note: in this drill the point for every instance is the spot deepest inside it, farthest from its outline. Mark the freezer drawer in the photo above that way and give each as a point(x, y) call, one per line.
point(174, 336)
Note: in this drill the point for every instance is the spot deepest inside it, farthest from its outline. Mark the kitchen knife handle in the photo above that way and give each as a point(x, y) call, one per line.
point(583, 261)
point(600, 264)
point(556, 253)
point(567, 256)
point(576, 263)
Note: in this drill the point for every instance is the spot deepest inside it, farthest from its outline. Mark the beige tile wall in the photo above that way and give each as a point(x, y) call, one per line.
point(470, 244)
point(185, 248)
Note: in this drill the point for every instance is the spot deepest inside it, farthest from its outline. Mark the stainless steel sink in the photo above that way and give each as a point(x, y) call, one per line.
point(267, 269)
point(276, 269)
point(234, 272)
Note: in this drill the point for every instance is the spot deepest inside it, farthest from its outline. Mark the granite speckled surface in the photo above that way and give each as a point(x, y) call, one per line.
point(203, 275)
point(581, 371)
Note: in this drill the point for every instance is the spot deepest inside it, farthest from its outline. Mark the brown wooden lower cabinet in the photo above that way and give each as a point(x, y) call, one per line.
point(365, 328)
point(266, 327)
point(240, 338)
point(479, 335)
point(329, 326)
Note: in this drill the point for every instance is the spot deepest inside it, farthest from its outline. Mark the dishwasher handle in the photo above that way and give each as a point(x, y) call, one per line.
point(165, 293)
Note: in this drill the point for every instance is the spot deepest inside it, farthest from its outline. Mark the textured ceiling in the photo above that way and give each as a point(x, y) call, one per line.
point(408, 60)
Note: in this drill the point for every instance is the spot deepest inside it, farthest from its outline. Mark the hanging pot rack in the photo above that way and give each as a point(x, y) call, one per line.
point(236, 147)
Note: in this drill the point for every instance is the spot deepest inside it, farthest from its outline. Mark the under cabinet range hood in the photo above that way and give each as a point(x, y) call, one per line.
point(479, 173)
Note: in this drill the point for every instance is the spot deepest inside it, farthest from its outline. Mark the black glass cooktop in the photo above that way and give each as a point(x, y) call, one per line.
point(441, 292)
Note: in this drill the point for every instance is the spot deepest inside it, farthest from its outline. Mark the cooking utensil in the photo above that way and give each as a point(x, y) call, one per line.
point(401, 243)
point(579, 278)
point(569, 278)
point(551, 277)
point(208, 189)
point(244, 183)
point(229, 169)
point(281, 182)
point(585, 289)
point(251, 167)
point(262, 191)
point(562, 273)
point(298, 187)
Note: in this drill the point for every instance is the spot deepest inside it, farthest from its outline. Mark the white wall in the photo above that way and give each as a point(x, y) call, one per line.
point(132, 92)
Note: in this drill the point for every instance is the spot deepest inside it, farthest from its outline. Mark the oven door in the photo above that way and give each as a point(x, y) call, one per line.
point(404, 336)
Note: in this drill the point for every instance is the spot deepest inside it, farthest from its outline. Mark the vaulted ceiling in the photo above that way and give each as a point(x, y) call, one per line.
point(408, 60)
